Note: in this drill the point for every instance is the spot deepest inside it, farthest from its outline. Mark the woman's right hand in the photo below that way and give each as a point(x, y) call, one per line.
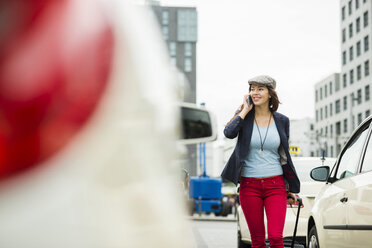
point(246, 107)
point(246, 104)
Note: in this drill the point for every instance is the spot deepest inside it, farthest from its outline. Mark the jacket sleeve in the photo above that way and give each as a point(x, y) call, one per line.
point(287, 129)
point(233, 128)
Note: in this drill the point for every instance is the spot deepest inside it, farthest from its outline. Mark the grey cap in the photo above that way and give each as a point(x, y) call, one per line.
point(263, 80)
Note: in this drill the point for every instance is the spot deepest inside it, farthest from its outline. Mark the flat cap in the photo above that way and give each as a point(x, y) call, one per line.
point(263, 80)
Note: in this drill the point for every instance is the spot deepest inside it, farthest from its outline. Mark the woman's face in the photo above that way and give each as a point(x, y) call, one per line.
point(260, 94)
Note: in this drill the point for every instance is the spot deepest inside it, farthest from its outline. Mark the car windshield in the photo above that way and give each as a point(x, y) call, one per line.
point(303, 167)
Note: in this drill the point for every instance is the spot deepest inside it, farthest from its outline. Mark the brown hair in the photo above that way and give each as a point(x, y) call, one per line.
point(273, 103)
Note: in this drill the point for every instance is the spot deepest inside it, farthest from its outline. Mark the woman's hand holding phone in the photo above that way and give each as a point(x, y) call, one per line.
point(247, 106)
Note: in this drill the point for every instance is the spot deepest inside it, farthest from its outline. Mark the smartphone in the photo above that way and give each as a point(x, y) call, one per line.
point(250, 102)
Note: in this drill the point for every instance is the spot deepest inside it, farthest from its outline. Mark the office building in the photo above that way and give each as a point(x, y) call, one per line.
point(179, 26)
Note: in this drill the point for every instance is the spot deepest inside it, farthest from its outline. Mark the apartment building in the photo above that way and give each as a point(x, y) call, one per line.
point(342, 100)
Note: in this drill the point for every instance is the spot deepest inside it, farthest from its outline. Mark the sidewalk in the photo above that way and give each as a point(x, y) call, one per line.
point(211, 217)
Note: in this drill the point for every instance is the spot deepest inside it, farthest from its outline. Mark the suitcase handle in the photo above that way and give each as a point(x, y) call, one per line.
point(297, 217)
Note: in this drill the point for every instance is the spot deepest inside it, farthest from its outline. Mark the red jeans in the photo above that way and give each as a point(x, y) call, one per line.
point(259, 194)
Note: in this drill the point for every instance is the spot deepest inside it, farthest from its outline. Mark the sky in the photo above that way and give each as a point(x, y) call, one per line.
point(296, 42)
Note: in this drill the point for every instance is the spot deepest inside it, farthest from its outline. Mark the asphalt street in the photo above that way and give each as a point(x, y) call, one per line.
point(216, 233)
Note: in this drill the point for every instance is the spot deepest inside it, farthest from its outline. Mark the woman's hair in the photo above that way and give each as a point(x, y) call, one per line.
point(273, 103)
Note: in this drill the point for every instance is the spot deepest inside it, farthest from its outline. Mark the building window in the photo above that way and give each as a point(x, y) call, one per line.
point(359, 95)
point(338, 128)
point(330, 109)
point(165, 32)
point(187, 25)
point(356, 4)
point(331, 129)
point(352, 76)
point(188, 65)
point(172, 48)
point(316, 95)
point(325, 90)
point(343, 13)
point(344, 80)
point(345, 102)
point(316, 116)
point(344, 58)
point(366, 93)
point(338, 107)
point(365, 19)
point(343, 35)
point(366, 68)
point(366, 43)
point(359, 72)
point(345, 125)
point(350, 30)
point(188, 49)
point(321, 93)
point(350, 7)
point(351, 53)
point(352, 99)
point(330, 88)
point(173, 61)
point(360, 118)
point(321, 113)
point(326, 112)
point(337, 88)
point(368, 113)
point(358, 49)
point(357, 24)
point(165, 17)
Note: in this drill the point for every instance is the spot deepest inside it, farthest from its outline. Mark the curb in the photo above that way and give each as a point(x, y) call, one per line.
point(211, 218)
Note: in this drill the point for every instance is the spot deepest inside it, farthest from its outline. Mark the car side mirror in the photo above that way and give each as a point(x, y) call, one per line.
point(320, 173)
point(198, 125)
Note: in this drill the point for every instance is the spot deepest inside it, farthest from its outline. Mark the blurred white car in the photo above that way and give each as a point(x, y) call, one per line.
point(309, 189)
point(342, 212)
point(88, 127)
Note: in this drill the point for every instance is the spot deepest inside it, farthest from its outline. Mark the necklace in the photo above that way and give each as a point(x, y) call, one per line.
point(262, 143)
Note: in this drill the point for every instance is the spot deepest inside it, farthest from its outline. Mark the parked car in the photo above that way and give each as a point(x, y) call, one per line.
point(309, 189)
point(342, 212)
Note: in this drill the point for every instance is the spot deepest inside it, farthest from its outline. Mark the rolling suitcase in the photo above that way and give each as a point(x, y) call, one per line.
point(291, 243)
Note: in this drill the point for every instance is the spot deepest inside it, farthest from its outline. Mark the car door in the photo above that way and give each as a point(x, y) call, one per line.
point(359, 205)
point(334, 207)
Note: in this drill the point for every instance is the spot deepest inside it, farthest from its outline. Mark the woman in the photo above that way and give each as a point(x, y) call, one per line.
point(261, 162)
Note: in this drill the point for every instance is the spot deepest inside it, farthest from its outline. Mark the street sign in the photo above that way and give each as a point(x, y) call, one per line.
point(294, 150)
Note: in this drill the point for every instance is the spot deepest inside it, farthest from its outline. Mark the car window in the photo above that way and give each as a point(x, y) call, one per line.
point(367, 162)
point(350, 158)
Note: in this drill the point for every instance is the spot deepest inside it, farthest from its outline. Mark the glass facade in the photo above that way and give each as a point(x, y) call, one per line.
point(187, 25)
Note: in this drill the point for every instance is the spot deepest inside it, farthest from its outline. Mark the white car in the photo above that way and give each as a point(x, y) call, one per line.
point(309, 189)
point(342, 212)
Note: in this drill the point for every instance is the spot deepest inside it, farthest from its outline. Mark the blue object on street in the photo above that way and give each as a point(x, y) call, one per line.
point(206, 188)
